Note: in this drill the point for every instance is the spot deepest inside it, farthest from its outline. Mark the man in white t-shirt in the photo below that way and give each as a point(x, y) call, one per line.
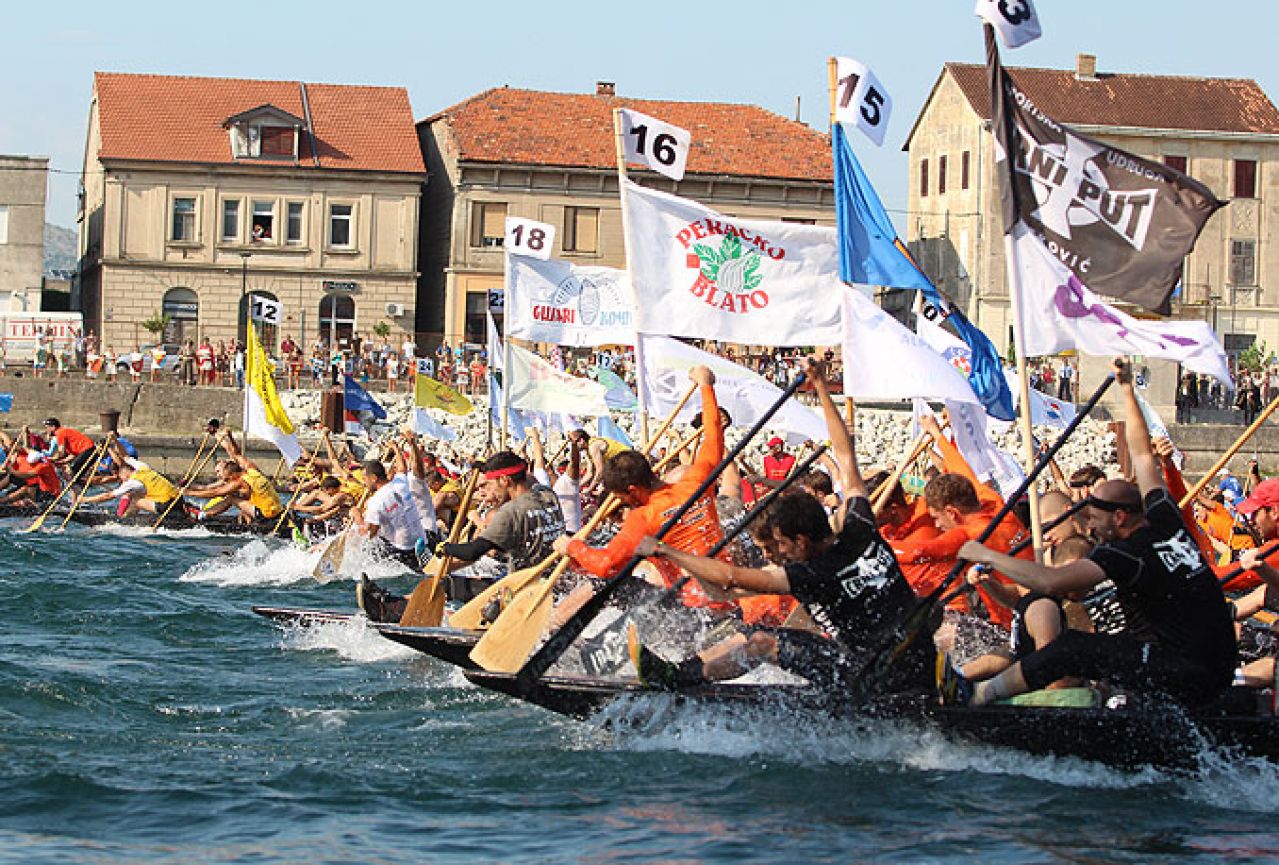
point(390, 516)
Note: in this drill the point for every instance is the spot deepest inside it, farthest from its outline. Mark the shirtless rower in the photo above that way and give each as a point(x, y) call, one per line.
point(1180, 639)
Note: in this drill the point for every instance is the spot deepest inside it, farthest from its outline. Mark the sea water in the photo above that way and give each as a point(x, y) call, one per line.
point(146, 715)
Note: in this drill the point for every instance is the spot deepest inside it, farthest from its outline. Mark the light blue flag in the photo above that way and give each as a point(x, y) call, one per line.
point(6, 402)
point(871, 253)
point(619, 397)
point(607, 428)
point(424, 424)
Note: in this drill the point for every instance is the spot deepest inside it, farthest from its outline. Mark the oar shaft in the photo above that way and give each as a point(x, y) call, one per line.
point(186, 486)
point(883, 493)
point(98, 453)
point(1229, 454)
point(545, 657)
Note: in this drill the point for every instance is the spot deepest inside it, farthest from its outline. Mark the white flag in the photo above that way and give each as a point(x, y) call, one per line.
point(564, 304)
point(740, 392)
point(698, 273)
point(535, 385)
point(884, 360)
point(1060, 313)
point(528, 237)
point(953, 350)
point(655, 144)
point(860, 99)
point(1014, 20)
point(264, 414)
point(424, 424)
point(1044, 409)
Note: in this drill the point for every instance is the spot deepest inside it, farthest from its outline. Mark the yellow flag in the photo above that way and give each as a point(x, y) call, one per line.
point(429, 393)
point(261, 377)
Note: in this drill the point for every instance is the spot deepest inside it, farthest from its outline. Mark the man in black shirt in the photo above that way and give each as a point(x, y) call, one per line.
point(1180, 638)
point(848, 579)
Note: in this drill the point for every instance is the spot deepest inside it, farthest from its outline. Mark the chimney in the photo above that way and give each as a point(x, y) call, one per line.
point(1086, 67)
point(605, 88)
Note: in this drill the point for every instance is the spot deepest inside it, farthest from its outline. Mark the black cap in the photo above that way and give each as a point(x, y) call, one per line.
point(52, 421)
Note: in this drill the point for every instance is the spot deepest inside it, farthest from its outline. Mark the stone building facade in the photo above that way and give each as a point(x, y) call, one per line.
point(200, 191)
point(23, 184)
point(551, 157)
point(1224, 132)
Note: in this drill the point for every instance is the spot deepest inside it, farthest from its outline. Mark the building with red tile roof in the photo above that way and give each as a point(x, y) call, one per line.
point(552, 157)
point(1222, 131)
point(198, 190)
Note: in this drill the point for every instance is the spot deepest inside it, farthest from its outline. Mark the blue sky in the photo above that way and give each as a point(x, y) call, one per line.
point(763, 53)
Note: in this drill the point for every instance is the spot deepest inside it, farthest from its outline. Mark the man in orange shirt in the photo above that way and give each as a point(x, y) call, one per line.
point(36, 482)
point(71, 448)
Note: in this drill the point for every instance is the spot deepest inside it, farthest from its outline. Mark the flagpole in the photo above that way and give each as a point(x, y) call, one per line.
point(1013, 276)
point(620, 148)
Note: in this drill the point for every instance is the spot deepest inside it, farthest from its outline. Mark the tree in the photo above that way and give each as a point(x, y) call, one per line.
point(382, 329)
point(156, 324)
point(1256, 357)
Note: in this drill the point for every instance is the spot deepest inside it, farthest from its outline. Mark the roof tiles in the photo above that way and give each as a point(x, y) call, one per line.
point(575, 130)
point(1233, 105)
point(169, 118)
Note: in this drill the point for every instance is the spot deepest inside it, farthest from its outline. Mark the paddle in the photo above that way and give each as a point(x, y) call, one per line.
point(1230, 452)
point(198, 451)
point(880, 499)
point(425, 608)
point(512, 637)
point(88, 480)
point(39, 521)
point(284, 514)
point(918, 618)
point(330, 562)
point(195, 473)
point(470, 616)
point(558, 642)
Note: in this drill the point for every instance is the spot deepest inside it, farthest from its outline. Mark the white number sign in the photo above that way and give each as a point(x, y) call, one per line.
point(861, 100)
point(265, 309)
point(1015, 20)
point(526, 237)
point(654, 144)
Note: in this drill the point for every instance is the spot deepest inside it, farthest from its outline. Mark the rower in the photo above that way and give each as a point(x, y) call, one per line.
point(847, 578)
point(141, 487)
point(1180, 639)
point(33, 483)
point(327, 501)
point(526, 519)
point(1261, 510)
point(390, 517)
point(241, 485)
point(68, 447)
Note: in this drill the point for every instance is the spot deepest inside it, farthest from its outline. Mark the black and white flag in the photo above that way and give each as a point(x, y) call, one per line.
point(1120, 223)
point(1086, 219)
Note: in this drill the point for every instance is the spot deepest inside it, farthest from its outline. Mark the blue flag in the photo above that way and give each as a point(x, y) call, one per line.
point(871, 253)
point(607, 428)
point(619, 397)
point(357, 398)
point(6, 402)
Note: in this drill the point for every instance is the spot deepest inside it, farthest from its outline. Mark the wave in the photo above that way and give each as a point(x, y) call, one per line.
point(352, 640)
point(263, 562)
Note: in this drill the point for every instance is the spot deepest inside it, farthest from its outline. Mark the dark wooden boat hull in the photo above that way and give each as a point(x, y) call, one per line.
point(450, 645)
point(1127, 738)
point(175, 519)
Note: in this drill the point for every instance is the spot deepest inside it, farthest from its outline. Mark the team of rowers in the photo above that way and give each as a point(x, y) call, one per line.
point(824, 585)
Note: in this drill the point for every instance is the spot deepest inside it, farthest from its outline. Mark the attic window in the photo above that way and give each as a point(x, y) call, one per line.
point(263, 138)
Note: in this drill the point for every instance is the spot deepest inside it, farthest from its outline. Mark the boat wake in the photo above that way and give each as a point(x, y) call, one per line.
point(654, 723)
point(262, 562)
point(352, 640)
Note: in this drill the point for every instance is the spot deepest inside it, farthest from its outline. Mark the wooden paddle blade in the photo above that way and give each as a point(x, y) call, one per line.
point(470, 616)
point(507, 644)
point(39, 521)
point(426, 604)
point(330, 564)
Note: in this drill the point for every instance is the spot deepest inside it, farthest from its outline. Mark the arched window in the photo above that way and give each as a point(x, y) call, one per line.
point(268, 334)
point(182, 306)
point(337, 319)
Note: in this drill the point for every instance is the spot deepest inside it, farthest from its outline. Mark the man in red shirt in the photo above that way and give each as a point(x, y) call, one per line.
point(72, 448)
point(777, 464)
point(36, 482)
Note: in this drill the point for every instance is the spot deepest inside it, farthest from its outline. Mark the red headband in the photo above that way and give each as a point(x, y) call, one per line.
point(516, 469)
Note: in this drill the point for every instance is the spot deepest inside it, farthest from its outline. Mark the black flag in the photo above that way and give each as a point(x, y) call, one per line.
point(1120, 223)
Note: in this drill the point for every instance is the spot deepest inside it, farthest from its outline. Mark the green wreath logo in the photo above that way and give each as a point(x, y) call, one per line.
point(731, 268)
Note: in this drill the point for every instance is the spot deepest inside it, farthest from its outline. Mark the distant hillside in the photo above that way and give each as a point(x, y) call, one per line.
point(59, 249)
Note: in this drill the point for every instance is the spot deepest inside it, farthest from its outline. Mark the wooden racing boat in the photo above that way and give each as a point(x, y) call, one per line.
point(176, 519)
point(451, 645)
point(1128, 737)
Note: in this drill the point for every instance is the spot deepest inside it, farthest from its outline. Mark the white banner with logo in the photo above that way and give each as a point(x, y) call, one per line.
point(742, 393)
point(701, 274)
point(564, 304)
point(535, 385)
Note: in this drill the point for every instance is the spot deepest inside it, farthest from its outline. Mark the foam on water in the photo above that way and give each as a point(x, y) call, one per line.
point(271, 562)
point(352, 640)
point(131, 531)
point(655, 723)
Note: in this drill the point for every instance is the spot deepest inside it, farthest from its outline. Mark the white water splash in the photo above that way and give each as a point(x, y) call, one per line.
point(352, 640)
point(323, 720)
point(262, 562)
point(131, 531)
